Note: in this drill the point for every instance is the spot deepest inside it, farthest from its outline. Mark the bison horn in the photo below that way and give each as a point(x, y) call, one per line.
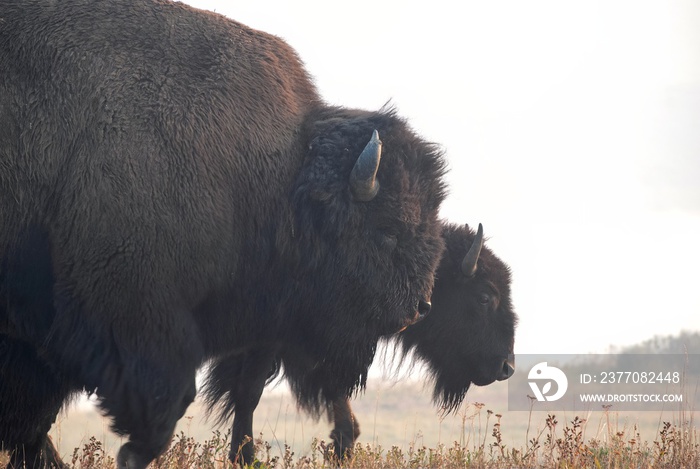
point(363, 179)
point(472, 257)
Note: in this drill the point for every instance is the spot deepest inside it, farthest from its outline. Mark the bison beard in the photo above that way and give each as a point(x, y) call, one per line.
point(467, 339)
point(192, 194)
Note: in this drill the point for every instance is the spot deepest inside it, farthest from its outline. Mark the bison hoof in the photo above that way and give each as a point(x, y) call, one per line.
point(342, 444)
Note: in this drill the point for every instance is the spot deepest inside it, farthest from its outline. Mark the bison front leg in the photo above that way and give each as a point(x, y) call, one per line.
point(346, 429)
point(242, 447)
point(257, 368)
point(31, 395)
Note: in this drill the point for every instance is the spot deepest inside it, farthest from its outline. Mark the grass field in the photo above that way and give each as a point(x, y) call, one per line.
point(400, 428)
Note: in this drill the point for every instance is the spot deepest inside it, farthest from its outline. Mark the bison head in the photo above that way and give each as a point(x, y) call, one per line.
point(366, 237)
point(468, 337)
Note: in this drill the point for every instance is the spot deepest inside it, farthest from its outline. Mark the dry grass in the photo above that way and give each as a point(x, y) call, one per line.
point(476, 437)
point(560, 445)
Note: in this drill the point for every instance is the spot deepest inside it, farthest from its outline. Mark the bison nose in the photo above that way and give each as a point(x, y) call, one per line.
point(423, 308)
point(507, 370)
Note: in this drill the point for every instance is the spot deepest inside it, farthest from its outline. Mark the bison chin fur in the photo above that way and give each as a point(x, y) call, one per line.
point(316, 385)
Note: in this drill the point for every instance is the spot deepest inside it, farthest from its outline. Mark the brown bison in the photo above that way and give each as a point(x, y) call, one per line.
point(173, 188)
point(467, 339)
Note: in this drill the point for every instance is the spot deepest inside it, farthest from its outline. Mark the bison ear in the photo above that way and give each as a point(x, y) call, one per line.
point(470, 260)
point(363, 178)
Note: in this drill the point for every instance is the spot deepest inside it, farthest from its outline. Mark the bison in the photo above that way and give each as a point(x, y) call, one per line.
point(175, 188)
point(467, 338)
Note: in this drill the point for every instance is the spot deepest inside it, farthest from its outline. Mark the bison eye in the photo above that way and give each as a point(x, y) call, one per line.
point(484, 299)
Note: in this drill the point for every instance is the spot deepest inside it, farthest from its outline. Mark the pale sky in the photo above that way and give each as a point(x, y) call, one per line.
point(571, 130)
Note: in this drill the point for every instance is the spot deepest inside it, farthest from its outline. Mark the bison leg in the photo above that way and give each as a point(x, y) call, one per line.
point(31, 395)
point(258, 366)
point(346, 429)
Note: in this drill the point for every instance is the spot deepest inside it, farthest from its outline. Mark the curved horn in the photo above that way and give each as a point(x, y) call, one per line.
point(363, 182)
point(472, 257)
